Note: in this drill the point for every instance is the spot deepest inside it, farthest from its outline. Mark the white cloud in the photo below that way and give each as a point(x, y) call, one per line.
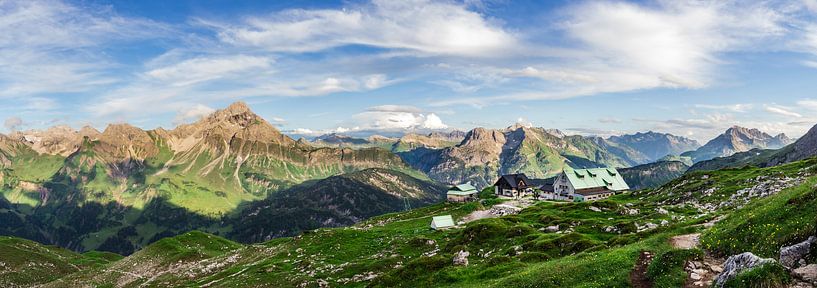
point(191, 114)
point(811, 5)
point(432, 121)
point(394, 118)
point(621, 46)
point(13, 123)
point(54, 47)
point(782, 111)
point(302, 131)
point(420, 25)
point(674, 44)
point(728, 107)
point(609, 120)
point(202, 69)
point(808, 104)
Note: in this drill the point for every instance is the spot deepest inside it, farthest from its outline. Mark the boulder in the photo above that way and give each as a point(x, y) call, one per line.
point(791, 255)
point(807, 273)
point(552, 229)
point(739, 263)
point(461, 258)
point(595, 209)
point(662, 211)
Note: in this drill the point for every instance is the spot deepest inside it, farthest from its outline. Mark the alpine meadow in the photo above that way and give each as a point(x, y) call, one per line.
point(413, 143)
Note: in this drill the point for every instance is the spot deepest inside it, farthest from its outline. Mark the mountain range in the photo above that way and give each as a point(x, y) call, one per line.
point(803, 148)
point(737, 139)
point(234, 174)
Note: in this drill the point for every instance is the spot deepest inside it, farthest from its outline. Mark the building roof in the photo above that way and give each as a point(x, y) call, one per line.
point(546, 185)
point(462, 189)
point(442, 221)
point(513, 180)
point(596, 177)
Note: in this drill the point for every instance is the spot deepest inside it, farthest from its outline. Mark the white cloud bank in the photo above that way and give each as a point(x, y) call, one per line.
point(432, 27)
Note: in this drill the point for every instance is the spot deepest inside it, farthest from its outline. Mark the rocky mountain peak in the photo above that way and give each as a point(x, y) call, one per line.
point(237, 113)
point(481, 135)
point(121, 130)
point(737, 131)
point(738, 139)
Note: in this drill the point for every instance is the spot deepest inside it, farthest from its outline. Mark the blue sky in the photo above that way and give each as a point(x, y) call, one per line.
point(588, 67)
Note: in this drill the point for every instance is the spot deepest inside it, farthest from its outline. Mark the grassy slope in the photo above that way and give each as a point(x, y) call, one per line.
point(24, 262)
point(764, 226)
point(391, 247)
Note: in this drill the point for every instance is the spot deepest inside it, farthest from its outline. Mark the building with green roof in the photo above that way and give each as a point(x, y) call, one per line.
point(442, 222)
point(589, 184)
point(462, 193)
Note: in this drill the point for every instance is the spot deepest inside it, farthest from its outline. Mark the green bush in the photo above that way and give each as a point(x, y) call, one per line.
point(562, 246)
point(533, 257)
point(667, 270)
point(622, 240)
point(767, 275)
point(418, 242)
point(491, 202)
point(416, 270)
point(499, 260)
point(471, 207)
point(487, 193)
point(489, 232)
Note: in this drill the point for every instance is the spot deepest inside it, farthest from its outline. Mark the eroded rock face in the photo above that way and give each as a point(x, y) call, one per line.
point(791, 255)
point(807, 273)
point(738, 263)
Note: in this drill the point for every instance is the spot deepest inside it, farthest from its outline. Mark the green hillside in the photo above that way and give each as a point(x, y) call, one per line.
point(652, 175)
point(27, 263)
point(596, 244)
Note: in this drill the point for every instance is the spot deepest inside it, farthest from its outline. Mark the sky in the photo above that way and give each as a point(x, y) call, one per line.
point(690, 68)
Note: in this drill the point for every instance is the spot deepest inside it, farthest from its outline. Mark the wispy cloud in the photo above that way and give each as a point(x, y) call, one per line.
point(730, 107)
point(780, 110)
point(421, 26)
point(50, 46)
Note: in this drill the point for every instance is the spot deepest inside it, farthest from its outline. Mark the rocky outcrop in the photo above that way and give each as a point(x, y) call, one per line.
point(461, 258)
point(736, 264)
point(790, 256)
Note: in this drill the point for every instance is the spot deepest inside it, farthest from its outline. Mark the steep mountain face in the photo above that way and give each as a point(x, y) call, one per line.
point(434, 140)
point(485, 153)
point(804, 147)
point(332, 202)
point(655, 146)
point(652, 175)
point(737, 139)
point(337, 139)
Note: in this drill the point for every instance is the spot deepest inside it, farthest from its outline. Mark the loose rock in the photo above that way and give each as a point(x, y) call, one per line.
point(461, 258)
point(791, 255)
point(738, 263)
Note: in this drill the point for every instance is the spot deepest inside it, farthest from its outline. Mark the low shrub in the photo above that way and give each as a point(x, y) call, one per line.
point(533, 257)
point(420, 268)
point(667, 270)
